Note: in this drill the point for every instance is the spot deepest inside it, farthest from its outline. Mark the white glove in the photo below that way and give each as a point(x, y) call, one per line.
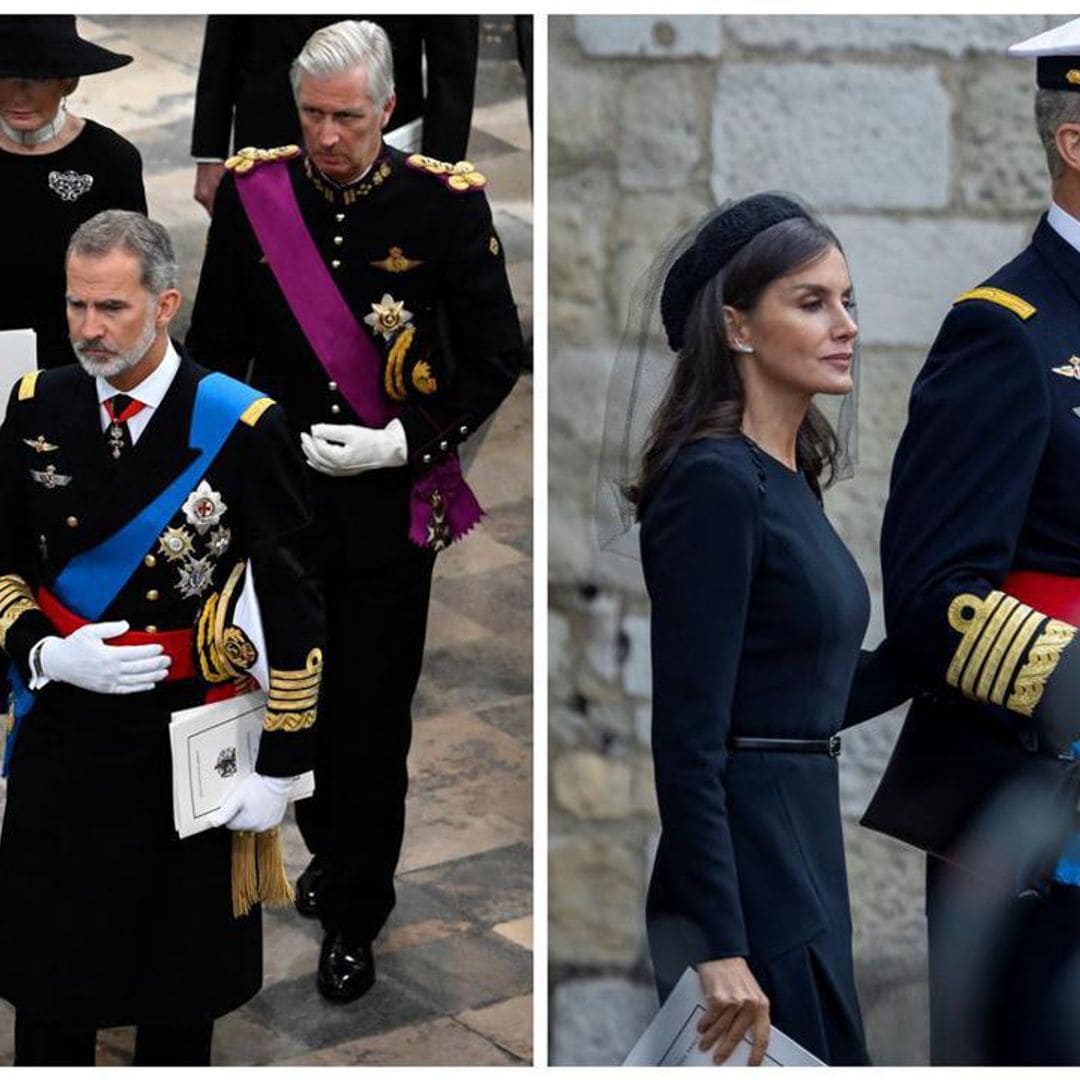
point(84, 660)
point(347, 449)
point(256, 804)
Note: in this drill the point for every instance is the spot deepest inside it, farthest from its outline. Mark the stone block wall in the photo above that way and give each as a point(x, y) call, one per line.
point(913, 135)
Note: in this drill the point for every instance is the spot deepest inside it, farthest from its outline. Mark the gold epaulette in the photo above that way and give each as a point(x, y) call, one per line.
point(28, 385)
point(252, 414)
point(244, 160)
point(460, 177)
point(1015, 304)
point(1007, 650)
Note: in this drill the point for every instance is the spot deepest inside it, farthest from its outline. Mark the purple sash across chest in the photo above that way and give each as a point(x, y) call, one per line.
point(443, 509)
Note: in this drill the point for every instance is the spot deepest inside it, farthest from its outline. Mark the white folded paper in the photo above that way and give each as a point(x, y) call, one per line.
point(213, 748)
point(672, 1037)
point(18, 357)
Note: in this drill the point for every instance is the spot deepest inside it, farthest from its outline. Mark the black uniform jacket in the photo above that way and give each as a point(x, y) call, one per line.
point(401, 233)
point(244, 89)
point(983, 484)
point(106, 916)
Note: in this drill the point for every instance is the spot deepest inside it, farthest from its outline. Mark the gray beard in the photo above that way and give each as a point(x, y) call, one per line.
point(121, 362)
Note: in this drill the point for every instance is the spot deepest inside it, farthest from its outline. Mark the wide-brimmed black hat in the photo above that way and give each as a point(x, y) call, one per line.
point(49, 47)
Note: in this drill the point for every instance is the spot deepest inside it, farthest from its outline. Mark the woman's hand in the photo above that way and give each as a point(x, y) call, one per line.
point(735, 1004)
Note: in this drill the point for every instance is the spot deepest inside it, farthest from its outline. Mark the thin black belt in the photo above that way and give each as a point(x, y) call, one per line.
point(830, 746)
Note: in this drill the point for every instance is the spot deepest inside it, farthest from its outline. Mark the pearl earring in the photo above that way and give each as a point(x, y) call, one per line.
point(744, 347)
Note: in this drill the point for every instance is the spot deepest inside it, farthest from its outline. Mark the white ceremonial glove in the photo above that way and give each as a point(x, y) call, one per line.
point(347, 449)
point(84, 660)
point(256, 804)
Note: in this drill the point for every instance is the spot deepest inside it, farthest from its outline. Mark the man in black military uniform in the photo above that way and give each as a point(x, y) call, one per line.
point(403, 252)
point(243, 96)
point(138, 494)
point(981, 560)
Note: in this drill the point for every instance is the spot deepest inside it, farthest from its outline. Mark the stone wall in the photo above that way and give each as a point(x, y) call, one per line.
point(913, 136)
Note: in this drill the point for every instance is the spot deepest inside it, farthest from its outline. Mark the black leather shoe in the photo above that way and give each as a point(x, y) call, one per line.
point(346, 968)
point(307, 889)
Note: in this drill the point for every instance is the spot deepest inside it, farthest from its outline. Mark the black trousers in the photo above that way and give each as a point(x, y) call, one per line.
point(1004, 973)
point(53, 1044)
point(376, 623)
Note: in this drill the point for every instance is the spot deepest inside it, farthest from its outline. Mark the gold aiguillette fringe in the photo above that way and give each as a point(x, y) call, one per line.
point(258, 871)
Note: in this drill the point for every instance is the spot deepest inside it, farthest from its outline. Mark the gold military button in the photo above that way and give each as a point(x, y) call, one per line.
point(339, 240)
point(152, 594)
point(335, 263)
point(150, 629)
point(339, 217)
point(150, 561)
point(73, 522)
point(331, 385)
point(335, 408)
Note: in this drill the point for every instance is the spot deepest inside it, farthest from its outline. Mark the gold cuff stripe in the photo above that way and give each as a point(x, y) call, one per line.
point(289, 721)
point(1041, 662)
point(12, 594)
point(253, 413)
point(971, 627)
point(27, 385)
point(1015, 304)
point(292, 696)
point(1016, 650)
point(986, 641)
point(11, 616)
point(306, 683)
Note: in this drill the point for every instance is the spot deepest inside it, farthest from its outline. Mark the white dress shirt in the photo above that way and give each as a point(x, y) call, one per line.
point(1064, 224)
point(151, 391)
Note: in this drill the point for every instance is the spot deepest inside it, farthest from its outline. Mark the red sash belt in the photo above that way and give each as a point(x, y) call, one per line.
point(179, 644)
point(1053, 594)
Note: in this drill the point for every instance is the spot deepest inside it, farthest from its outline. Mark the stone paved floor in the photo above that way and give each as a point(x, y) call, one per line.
point(455, 962)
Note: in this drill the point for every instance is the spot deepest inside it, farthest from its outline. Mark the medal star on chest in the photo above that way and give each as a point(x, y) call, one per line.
point(388, 316)
point(204, 508)
point(1070, 369)
point(196, 576)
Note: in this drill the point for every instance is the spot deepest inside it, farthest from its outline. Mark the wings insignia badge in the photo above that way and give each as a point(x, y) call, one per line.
point(396, 262)
point(50, 478)
point(1070, 369)
point(40, 445)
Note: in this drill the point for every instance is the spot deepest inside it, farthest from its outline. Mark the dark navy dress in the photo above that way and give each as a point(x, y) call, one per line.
point(758, 612)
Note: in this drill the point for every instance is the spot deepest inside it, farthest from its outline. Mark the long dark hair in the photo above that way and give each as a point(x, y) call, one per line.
point(705, 396)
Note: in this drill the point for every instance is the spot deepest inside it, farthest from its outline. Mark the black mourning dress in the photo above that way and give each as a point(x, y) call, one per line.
point(758, 612)
point(46, 198)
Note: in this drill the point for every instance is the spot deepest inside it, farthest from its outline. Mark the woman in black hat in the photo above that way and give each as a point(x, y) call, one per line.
point(758, 612)
point(56, 169)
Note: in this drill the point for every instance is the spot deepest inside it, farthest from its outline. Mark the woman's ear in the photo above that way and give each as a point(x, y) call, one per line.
point(735, 330)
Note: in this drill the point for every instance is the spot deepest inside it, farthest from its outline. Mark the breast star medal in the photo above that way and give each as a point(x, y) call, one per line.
point(388, 316)
point(196, 576)
point(204, 508)
point(175, 544)
point(219, 541)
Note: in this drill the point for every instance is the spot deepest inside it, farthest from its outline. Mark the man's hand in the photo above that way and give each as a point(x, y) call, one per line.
point(256, 804)
point(84, 660)
point(347, 449)
point(735, 1004)
point(208, 175)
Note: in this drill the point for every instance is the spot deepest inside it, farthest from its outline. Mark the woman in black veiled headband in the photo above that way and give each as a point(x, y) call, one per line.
point(758, 612)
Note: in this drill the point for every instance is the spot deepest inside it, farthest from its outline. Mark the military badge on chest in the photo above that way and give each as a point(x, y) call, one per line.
point(203, 511)
point(1070, 369)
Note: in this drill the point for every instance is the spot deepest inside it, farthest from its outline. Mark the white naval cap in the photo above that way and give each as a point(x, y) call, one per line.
point(1057, 54)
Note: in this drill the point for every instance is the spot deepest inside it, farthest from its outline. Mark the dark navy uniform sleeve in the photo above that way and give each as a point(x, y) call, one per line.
point(22, 623)
point(278, 515)
point(881, 683)
point(700, 539)
point(961, 482)
point(482, 331)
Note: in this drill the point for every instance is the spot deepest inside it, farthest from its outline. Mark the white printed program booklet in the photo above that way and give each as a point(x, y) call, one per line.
point(213, 748)
point(672, 1037)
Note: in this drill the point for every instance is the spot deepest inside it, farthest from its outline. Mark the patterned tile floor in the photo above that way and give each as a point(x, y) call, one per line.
point(455, 961)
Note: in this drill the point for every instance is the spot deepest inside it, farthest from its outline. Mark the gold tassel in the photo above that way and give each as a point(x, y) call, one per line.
point(245, 882)
point(258, 871)
point(275, 889)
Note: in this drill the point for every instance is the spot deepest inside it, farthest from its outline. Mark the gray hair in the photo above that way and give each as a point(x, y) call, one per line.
point(135, 233)
point(1052, 109)
point(345, 45)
